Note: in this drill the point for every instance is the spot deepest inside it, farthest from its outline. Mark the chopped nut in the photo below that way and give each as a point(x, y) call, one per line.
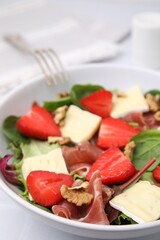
point(60, 114)
point(152, 102)
point(59, 140)
point(128, 150)
point(77, 195)
point(62, 95)
point(157, 116)
point(121, 94)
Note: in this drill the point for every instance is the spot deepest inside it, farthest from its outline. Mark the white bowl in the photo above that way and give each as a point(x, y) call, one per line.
point(19, 101)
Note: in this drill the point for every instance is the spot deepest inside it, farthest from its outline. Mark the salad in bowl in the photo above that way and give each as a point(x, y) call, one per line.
point(86, 153)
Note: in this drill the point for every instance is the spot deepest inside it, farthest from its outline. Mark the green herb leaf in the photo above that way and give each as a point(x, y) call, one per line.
point(122, 219)
point(11, 132)
point(53, 105)
point(36, 147)
point(80, 91)
point(147, 146)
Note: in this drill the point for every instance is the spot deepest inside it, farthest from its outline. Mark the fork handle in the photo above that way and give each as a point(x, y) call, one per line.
point(18, 42)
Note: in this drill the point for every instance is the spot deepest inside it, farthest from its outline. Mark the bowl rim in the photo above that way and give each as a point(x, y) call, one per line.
point(81, 225)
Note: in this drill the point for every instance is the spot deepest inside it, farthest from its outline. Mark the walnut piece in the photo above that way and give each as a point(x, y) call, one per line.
point(60, 114)
point(77, 195)
point(62, 95)
point(152, 102)
point(157, 116)
point(59, 140)
point(128, 150)
point(121, 94)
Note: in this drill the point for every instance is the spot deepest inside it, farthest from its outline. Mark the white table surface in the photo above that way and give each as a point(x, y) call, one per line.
point(15, 223)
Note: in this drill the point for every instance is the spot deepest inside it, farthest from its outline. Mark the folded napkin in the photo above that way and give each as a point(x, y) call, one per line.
point(76, 40)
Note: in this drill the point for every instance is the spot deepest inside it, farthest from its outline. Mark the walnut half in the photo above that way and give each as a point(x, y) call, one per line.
point(153, 102)
point(59, 140)
point(128, 150)
point(77, 195)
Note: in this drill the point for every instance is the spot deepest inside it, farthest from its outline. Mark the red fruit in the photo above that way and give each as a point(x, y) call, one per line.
point(114, 167)
point(115, 133)
point(44, 186)
point(156, 173)
point(38, 123)
point(99, 102)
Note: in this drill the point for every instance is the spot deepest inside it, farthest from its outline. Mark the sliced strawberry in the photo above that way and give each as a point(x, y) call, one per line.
point(38, 123)
point(156, 173)
point(114, 167)
point(44, 186)
point(99, 102)
point(115, 133)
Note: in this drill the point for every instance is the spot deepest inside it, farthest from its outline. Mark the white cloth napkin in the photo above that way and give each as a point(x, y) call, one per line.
point(75, 40)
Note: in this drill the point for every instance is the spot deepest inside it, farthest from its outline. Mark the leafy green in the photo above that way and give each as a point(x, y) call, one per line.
point(53, 105)
point(147, 176)
point(153, 92)
point(80, 91)
point(17, 152)
point(11, 132)
point(78, 177)
point(122, 219)
point(36, 147)
point(147, 146)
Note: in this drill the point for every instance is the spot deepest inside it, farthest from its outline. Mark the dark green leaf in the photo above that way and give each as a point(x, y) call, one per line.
point(147, 176)
point(53, 105)
point(147, 146)
point(153, 92)
point(11, 132)
point(80, 91)
point(122, 219)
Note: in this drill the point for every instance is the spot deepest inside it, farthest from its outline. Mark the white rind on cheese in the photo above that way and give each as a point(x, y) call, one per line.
point(80, 125)
point(52, 161)
point(141, 202)
point(134, 101)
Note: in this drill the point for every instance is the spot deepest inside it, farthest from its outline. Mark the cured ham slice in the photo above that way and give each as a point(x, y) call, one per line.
point(80, 168)
point(95, 212)
point(85, 152)
point(92, 213)
point(145, 120)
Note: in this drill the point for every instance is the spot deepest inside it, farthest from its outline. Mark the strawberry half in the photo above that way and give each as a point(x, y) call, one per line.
point(38, 123)
point(115, 133)
point(99, 102)
point(156, 173)
point(44, 186)
point(114, 167)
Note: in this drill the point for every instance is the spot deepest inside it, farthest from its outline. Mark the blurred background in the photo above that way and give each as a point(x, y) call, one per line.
point(80, 31)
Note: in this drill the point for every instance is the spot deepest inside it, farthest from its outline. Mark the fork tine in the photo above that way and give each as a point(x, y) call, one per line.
point(53, 60)
point(46, 65)
point(62, 71)
point(39, 61)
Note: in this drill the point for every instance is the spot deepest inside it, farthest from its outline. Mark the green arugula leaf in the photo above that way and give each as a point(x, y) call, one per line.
point(147, 146)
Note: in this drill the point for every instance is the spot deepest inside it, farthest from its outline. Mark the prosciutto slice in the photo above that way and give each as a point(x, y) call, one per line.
point(80, 168)
point(145, 120)
point(82, 153)
point(93, 213)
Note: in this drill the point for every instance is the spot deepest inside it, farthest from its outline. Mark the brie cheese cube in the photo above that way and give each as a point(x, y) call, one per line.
point(52, 161)
point(141, 202)
point(134, 101)
point(80, 125)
